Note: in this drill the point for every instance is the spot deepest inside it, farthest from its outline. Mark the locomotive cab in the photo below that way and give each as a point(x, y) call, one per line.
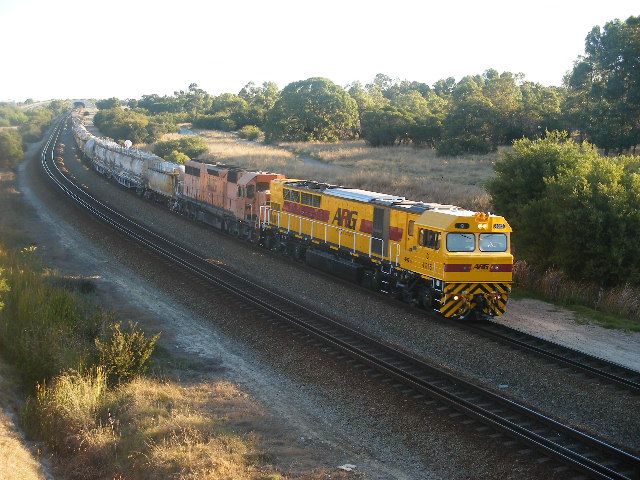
point(465, 258)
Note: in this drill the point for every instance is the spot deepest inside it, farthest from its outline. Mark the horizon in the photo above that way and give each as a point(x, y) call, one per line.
point(222, 47)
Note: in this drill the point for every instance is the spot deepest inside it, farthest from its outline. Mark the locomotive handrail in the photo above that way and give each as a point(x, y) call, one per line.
point(265, 211)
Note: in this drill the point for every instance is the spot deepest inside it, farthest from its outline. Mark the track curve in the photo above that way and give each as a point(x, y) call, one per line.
point(581, 451)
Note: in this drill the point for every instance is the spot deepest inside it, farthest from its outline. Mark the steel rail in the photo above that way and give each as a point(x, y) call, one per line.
point(583, 452)
point(619, 375)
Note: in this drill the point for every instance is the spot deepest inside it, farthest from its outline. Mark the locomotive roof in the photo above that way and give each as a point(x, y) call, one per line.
point(383, 199)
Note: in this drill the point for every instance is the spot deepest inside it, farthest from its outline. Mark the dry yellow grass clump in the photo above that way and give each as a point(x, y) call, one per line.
point(146, 429)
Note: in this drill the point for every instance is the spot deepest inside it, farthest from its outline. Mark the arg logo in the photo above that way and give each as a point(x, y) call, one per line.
point(345, 218)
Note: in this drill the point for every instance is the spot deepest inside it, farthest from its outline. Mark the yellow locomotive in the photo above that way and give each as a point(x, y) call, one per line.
point(442, 257)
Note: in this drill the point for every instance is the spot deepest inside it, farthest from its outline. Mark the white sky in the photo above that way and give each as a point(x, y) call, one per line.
point(92, 48)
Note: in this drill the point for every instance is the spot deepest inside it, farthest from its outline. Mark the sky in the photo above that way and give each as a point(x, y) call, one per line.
point(99, 49)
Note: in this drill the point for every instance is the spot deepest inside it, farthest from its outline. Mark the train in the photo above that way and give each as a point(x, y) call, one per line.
point(442, 258)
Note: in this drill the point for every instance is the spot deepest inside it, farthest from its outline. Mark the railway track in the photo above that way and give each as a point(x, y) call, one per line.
point(584, 453)
point(619, 375)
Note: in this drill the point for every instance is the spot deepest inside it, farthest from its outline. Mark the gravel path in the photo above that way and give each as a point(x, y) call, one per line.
point(585, 404)
point(561, 326)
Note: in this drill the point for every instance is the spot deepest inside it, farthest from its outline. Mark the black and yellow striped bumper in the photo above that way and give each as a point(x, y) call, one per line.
point(459, 298)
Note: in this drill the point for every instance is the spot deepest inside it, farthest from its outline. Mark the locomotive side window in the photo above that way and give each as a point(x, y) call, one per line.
point(310, 199)
point(250, 191)
point(291, 195)
point(461, 242)
point(411, 227)
point(262, 186)
point(429, 239)
point(493, 242)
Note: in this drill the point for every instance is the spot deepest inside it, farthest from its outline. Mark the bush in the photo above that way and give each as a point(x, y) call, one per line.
point(217, 121)
point(121, 124)
point(43, 328)
point(191, 146)
point(125, 354)
point(11, 152)
point(176, 157)
point(452, 147)
point(250, 132)
point(571, 209)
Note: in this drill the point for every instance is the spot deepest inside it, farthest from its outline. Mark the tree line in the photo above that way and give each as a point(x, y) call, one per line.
point(19, 126)
point(599, 99)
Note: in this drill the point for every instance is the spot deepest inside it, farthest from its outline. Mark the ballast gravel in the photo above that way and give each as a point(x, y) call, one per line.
point(584, 403)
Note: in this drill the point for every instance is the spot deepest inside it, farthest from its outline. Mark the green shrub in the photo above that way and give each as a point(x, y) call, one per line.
point(125, 354)
point(191, 146)
point(250, 132)
point(217, 121)
point(177, 157)
point(572, 209)
point(44, 329)
point(452, 147)
point(11, 152)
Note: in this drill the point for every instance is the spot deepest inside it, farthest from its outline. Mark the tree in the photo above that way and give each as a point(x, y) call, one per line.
point(107, 103)
point(469, 126)
point(11, 152)
point(232, 107)
point(386, 126)
point(604, 86)
point(260, 100)
point(519, 190)
point(502, 90)
point(122, 124)
point(312, 109)
point(367, 98)
point(541, 109)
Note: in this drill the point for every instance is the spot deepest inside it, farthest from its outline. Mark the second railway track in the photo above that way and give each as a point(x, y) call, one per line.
point(619, 375)
point(583, 452)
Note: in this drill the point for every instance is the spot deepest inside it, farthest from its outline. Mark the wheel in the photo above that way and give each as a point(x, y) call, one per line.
point(425, 298)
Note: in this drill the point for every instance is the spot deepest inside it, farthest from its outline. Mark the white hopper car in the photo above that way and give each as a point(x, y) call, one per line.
point(148, 174)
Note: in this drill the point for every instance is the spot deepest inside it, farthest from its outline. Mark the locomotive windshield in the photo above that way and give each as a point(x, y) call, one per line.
point(461, 242)
point(493, 242)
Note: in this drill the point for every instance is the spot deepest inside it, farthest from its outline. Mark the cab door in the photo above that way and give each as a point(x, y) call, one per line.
point(380, 232)
point(427, 251)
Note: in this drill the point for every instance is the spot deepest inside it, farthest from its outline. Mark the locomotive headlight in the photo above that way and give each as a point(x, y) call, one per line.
point(456, 297)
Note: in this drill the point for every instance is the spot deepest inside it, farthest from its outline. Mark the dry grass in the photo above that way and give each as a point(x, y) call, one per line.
point(617, 307)
point(416, 173)
point(146, 429)
point(16, 461)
